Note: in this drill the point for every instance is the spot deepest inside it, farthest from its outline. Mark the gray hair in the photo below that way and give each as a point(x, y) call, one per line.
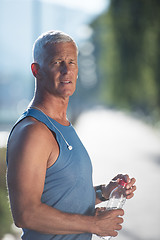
point(46, 38)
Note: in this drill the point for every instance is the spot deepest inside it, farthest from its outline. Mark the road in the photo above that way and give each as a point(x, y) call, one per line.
point(118, 143)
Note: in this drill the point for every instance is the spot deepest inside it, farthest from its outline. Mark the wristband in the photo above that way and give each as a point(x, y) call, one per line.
point(99, 193)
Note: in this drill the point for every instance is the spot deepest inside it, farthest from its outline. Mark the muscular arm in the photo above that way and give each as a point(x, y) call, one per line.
point(32, 148)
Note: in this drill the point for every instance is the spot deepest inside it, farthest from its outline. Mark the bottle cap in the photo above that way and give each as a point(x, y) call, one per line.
point(122, 183)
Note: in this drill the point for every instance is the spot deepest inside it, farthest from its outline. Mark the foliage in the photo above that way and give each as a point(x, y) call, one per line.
point(5, 214)
point(127, 38)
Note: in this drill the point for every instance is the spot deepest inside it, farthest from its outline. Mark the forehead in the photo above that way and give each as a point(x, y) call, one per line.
point(66, 49)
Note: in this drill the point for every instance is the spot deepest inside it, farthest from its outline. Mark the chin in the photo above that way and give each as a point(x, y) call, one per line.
point(68, 93)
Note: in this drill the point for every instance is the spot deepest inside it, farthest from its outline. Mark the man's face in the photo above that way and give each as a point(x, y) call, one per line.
point(59, 69)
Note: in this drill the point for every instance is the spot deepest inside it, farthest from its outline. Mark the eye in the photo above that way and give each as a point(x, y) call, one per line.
point(71, 62)
point(56, 62)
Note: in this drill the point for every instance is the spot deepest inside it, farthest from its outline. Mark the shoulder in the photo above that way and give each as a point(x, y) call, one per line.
point(31, 128)
point(31, 142)
point(31, 134)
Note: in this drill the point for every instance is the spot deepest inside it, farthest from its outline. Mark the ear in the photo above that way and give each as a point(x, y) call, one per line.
point(35, 69)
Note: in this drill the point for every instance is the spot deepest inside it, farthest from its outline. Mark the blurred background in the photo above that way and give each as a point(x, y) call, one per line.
point(116, 107)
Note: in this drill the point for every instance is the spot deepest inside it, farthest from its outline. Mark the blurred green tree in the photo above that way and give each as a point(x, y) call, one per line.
point(5, 214)
point(126, 39)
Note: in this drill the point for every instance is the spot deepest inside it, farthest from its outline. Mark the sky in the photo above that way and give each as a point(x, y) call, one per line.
point(28, 19)
point(89, 6)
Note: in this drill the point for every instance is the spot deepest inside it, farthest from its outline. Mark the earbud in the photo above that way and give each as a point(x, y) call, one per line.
point(70, 147)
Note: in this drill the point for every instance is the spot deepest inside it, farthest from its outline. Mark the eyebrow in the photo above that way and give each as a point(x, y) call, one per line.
point(58, 58)
point(55, 59)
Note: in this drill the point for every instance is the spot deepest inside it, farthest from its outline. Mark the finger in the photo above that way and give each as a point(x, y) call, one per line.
point(117, 212)
point(129, 193)
point(121, 212)
point(99, 210)
point(130, 196)
point(96, 211)
point(114, 234)
point(119, 176)
point(120, 220)
point(124, 177)
point(131, 183)
point(103, 208)
point(118, 227)
point(132, 189)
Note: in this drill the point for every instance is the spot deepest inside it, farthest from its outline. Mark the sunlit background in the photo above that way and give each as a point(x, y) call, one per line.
point(116, 107)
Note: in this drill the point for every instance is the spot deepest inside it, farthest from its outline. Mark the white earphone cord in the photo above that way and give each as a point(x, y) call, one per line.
point(68, 145)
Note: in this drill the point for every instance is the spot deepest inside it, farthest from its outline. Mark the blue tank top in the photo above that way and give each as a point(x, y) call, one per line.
point(68, 182)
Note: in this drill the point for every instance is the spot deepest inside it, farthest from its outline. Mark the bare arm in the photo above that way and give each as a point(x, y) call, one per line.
point(31, 148)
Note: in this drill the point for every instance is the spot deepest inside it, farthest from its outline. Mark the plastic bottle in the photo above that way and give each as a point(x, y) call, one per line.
point(117, 199)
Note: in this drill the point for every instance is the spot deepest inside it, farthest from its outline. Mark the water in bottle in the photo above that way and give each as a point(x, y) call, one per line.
point(117, 199)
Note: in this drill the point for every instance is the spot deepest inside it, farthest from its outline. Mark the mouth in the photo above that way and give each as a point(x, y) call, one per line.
point(65, 81)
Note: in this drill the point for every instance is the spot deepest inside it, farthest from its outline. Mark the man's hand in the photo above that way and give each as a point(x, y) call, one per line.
point(108, 222)
point(130, 187)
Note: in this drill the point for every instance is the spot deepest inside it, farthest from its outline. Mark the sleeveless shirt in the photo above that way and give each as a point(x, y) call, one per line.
point(68, 183)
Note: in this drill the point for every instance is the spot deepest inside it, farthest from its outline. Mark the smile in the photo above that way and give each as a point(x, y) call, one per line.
point(65, 81)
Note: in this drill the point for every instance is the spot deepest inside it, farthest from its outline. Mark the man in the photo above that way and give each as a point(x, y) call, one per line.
point(49, 171)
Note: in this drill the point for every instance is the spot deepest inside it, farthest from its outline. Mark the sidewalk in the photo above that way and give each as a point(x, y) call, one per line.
point(120, 144)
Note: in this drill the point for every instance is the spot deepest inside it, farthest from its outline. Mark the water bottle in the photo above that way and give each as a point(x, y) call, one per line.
point(117, 199)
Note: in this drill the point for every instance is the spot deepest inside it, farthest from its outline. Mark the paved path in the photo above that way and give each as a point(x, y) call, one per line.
point(118, 143)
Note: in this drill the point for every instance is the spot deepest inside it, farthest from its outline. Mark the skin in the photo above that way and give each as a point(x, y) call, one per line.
point(130, 187)
point(56, 77)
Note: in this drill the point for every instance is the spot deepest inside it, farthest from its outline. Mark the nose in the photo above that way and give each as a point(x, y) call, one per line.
point(64, 68)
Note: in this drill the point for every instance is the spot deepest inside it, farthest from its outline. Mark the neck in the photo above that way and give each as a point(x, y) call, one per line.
point(52, 106)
